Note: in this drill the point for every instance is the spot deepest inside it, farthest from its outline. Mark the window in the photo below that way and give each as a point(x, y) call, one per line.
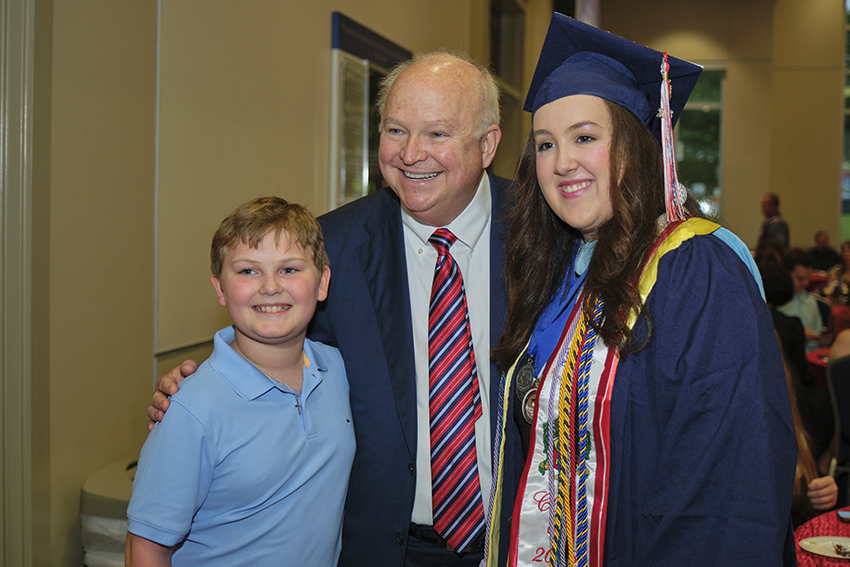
point(698, 141)
point(507, 25)
point(359, 60)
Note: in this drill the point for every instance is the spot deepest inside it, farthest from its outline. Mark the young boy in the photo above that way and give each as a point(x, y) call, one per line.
point(803, 305)
point(251, 464)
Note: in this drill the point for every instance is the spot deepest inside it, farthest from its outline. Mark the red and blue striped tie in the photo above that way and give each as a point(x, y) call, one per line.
point(455, 404)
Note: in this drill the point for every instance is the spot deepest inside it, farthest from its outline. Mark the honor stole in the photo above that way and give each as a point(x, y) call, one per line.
point(531, 524)
point(534, 515)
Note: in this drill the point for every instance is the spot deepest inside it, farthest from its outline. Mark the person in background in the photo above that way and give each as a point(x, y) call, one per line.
point(439, 133)
point(841, 346)
point(813, 494)
point(837, 291)
point(824, 256)
point(768, 251)
point(251, 464)
point(638, 347)
point(837, 288)
point(774, 227)
point(779, 290)
point(810, 400)
point(803, 305)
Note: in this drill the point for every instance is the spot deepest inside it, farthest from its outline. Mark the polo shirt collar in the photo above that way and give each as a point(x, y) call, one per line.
point(246, 379)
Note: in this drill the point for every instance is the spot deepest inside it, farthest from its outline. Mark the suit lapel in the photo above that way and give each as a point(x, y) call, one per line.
point(385, 270)
point(500, 203)
point(382, 257)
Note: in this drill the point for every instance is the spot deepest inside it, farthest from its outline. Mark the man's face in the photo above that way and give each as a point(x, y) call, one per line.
point(432, 154)
point(800, 276)
point(822, 241)
point(768, 209)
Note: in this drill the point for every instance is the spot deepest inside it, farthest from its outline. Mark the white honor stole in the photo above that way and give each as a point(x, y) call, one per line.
point(532, 522)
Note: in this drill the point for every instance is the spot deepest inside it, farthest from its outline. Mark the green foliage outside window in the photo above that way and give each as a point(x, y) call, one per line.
point(698, 142)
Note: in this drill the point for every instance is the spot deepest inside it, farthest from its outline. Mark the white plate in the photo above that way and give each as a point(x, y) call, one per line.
point(824, 545)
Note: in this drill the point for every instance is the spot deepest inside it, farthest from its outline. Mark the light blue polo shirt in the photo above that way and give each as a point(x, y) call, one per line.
point(241, 474)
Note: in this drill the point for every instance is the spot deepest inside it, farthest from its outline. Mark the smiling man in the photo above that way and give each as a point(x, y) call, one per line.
point(439, 133)
point(434, 143)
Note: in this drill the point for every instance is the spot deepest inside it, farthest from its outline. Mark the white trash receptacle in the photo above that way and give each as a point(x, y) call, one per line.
point(103, 513)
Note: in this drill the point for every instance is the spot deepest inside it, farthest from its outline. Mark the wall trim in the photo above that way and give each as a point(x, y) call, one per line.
point(16, 89)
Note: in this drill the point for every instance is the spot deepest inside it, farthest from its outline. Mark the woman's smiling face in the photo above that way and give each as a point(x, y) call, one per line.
point(572, 137)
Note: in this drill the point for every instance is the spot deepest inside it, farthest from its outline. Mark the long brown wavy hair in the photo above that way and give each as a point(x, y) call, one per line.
point(807, 470)
point(540, 246)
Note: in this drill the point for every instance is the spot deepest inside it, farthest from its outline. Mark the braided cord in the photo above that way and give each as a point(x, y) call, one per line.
point(583, 380)
point(497, 445)
point(563, 524)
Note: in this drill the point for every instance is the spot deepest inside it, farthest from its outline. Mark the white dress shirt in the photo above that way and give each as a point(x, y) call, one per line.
point(472, 254)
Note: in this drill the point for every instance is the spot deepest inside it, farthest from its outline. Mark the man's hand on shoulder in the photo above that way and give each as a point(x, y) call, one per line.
point(167, 386)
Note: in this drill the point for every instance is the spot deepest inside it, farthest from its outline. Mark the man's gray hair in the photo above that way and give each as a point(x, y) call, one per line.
point(489, 112)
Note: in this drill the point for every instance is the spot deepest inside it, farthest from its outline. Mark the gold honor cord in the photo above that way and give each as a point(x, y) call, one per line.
point(563, 522)
point(565, 451)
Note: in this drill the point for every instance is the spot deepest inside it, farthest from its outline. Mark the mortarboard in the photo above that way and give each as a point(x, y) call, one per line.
point(578, 58)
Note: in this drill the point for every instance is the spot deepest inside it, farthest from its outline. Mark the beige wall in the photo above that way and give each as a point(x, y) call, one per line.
point(783, 122)
point(244, 111)
point(95, 104)
point(807, 114)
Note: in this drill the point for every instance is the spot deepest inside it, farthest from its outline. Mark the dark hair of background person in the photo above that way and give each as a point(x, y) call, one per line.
point(807, 471)
point(778, 287)
point(774, 199)
point(797, 257)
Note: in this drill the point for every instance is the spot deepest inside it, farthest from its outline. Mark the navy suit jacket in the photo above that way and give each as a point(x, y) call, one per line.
point(367, 316)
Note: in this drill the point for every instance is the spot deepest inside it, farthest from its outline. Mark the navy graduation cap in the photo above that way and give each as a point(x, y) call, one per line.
point(578, 58)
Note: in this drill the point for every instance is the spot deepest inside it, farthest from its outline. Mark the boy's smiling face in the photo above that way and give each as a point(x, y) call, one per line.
point(800, 276)
point(271, 291)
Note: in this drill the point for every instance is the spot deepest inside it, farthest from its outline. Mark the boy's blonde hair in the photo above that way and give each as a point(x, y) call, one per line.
point(251, 222)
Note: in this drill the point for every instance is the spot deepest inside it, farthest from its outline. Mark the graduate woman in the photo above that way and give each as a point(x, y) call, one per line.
point(644, 418)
